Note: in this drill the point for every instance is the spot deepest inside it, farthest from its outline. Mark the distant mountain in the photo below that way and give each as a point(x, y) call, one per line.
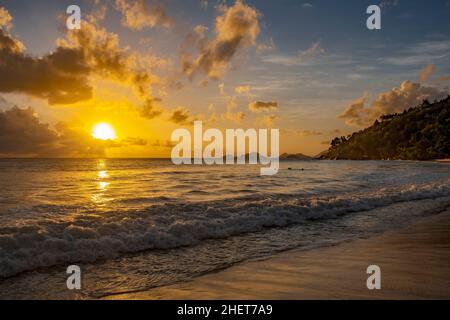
point(321, 155)
point(420, 133)
point(296, 156)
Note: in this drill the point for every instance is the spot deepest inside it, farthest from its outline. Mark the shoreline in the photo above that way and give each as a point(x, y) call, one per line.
point(414, 262)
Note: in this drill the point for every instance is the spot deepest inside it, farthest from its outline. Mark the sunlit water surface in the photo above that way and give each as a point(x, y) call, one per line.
point(135, 224)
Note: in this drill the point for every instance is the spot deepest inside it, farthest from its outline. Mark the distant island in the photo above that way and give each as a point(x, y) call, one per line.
point(296, 156)
point(418, 133)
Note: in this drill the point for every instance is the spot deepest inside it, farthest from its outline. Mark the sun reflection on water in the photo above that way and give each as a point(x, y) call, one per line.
point(102, 183)
point(103, 174)
point(101, 164)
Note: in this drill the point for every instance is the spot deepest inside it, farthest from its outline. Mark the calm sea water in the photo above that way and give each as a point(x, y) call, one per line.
point(135, 224)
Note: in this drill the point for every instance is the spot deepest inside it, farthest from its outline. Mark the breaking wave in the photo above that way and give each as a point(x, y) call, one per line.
point(91, 236)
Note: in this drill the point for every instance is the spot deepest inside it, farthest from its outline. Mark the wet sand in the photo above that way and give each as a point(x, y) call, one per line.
point(414, 262)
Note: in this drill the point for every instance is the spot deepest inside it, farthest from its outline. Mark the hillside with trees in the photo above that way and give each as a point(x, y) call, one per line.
point(419, 133)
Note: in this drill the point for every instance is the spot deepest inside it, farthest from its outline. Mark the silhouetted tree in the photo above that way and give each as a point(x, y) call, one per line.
point(420, 133)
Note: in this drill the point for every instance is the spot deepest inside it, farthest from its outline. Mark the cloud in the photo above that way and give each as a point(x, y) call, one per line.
point(165, 145)
point(258, 106)
point(59, 77)
point(137, 14)
point(355, 76)
point(151, 109)
point(303, 57)
point(102, 54)
point(5, 19)
point(314, 50)
point(237, 28)
point(266, 46)
point(388, 3)
point(307, 5)
point(221, 87)
point(22, 134)
point(231, 114)
point(64, 76)
point(426, 72)
point(204, 4)
point(354, 112)
point(444, 78)
point(267, 121)
point(5, 104)
point(131, 141)
point(99, 11)
point(335, 131)
point(310, 133)
point(419, 54)
point(180, 116)
point(407, 95)
point(242, 89)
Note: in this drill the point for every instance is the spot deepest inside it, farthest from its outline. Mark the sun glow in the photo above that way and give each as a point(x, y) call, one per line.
point(104, 131)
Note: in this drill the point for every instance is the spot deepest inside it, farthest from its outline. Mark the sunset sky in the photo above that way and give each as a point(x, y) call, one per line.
point(310, 68)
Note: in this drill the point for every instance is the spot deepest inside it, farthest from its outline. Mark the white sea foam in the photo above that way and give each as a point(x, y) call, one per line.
point(87, 237)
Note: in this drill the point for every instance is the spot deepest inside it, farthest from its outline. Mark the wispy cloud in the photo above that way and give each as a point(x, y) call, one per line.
point(426, 72)
point(388, 3)
point(137, 14)
point(420, 54)
point(258, 106)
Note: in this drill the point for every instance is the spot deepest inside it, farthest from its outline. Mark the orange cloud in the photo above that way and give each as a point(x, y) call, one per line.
point(150, 109)
point(180, 116)
point(237, 27)
point(50, 77)
point(258, 106)
point(5, 19)
point(137, 14)
point(242, 89)
point(426, 72)
point(310, 133)
point(407, 95)
point(72, 71)
point(22, 134)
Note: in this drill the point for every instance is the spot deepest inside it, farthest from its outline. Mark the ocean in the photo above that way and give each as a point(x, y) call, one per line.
point(135, 224)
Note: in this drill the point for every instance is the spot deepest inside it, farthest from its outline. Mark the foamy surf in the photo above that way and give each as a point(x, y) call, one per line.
point(89, 236)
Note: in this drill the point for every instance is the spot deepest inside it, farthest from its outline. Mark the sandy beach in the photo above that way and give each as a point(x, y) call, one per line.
point(414, 262)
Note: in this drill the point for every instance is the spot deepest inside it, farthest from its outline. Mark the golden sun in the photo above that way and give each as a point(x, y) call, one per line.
point(104, 131)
